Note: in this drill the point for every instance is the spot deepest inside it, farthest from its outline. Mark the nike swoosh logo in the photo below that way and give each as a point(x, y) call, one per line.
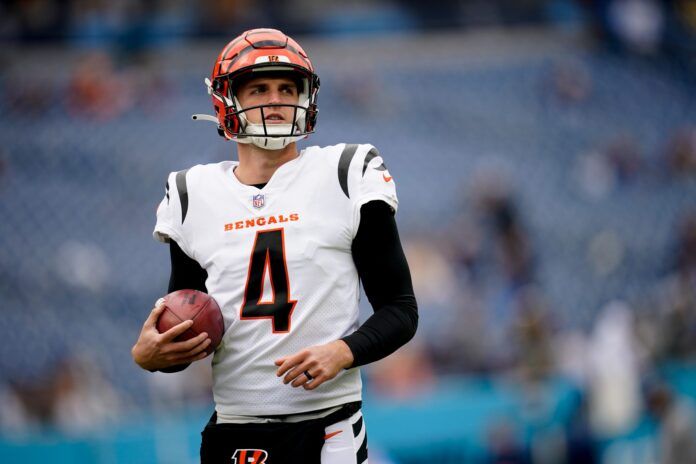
point(332, 434)
point(386, 177)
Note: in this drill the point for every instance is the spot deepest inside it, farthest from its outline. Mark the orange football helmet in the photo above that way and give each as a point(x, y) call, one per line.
point(257, 51)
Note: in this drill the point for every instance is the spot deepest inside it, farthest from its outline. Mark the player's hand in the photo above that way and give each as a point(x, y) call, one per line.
point(322, 363)
point(155, 350)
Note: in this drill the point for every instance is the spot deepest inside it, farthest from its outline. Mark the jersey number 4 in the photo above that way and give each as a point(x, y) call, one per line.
point(268, 256)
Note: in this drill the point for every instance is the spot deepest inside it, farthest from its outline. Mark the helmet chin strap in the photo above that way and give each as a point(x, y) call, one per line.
point(255, 133)
point(263, 135)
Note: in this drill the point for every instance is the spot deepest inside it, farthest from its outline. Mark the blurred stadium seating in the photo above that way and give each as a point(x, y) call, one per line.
point(583, 147)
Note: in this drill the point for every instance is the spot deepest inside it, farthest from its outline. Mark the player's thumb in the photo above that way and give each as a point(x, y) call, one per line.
point(155, 313)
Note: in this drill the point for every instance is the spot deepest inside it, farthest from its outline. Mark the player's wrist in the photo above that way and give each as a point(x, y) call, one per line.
point(138, 358)
point(142, 360)
point(346, 357)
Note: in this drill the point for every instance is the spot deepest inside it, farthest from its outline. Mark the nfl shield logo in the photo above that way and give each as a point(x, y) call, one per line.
point(258, 200)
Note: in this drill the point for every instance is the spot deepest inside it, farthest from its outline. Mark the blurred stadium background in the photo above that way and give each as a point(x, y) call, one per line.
point(545, 158)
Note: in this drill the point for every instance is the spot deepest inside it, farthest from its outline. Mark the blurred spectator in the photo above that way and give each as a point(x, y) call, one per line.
point(677, 337)
point(600, 171)
point(570, 348)
point(15, 418)
point(676, 418)
point(614, 372)
point(580, 446)
point(532, 336)
point(74, 398)
point(405, 374)
point(97, 91)
point(36, 401)
point(513, 248)
point(82, 397)
point(441, 302)
point(433, 280)
point(594, 175)
point(82, 265)
point(638, 24)
point(493, 196)
point(629, 25)
point(463, 245)
point(506, 258)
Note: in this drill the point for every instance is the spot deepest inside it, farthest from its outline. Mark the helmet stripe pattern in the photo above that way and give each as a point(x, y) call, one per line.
point(267, 44)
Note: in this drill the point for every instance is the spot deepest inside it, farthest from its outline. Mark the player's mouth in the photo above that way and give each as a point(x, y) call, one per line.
point(275, 118)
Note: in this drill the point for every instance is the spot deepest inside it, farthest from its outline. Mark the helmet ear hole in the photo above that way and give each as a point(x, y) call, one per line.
point(232, 123)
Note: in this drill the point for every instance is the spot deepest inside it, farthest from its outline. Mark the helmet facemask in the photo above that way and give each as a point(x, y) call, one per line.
point(265, 135)
point(272, 136)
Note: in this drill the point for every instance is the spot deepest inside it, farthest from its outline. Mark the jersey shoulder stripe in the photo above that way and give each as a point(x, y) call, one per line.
point(182, 190)
point(372, 154)
point(344, 164)
point(346, 158)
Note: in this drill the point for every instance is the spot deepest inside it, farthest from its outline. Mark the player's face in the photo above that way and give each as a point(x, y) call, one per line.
point(269, 91)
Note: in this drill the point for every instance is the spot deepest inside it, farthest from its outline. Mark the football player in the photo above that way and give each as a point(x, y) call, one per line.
point(281, 240)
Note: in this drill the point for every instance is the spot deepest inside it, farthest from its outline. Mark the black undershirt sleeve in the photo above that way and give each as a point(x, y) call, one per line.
point(386, 278)
point(186, 272)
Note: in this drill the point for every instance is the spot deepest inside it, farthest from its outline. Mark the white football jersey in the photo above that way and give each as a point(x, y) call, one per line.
point(279, 264)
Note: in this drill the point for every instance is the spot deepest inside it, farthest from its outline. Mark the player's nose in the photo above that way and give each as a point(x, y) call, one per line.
point(274, 96)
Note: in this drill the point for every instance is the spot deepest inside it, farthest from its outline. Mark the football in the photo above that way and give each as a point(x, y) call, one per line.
point(201, 308)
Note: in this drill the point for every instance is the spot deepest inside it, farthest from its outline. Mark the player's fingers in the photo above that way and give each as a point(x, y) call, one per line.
point(192, 356)
point(155, 313)
point(297, 372)
point(291, 361)
point(177, 330)
point(190, 344)
point(201, 347)
point(316, 381)
point(287, 364)
point(303, 378)
point(291, 375)
point(199, 356)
